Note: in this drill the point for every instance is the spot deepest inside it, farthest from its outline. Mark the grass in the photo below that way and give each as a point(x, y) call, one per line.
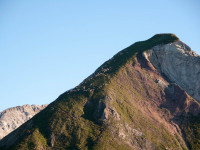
point(191, 129)
point(34, 141)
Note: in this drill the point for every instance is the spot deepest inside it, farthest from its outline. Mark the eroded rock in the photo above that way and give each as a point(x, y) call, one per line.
point(179, 63)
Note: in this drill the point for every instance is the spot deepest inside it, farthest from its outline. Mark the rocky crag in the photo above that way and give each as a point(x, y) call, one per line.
point(12, 118)
point(179, 63)
point(133, 101)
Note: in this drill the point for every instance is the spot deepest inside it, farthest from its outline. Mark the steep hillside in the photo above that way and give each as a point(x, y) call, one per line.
point(125, 104)
point(12, 118)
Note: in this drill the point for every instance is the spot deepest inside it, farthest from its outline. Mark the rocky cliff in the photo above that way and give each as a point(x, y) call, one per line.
point(12, 118)
point(179, 63)
point(127, 103)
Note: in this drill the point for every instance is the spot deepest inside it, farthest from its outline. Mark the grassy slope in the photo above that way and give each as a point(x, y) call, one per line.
point(132, 92)
point(191, 129)
point(65, 124)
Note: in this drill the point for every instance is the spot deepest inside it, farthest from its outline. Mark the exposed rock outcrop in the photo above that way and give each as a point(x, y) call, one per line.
point(178, 63)
point(12, 118)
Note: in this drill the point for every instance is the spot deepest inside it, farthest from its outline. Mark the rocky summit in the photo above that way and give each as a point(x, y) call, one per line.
point(12, 118)
point(144, 98)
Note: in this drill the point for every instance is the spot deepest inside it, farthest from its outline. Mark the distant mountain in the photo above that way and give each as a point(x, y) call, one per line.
point(144, 98)
point(12, 118)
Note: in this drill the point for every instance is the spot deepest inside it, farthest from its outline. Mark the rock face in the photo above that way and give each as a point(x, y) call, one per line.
point(12, 118)
point(128, 103)
point(178, 63)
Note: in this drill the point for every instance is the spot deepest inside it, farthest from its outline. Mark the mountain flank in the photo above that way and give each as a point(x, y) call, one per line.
point(130, 102)
point(12, 118)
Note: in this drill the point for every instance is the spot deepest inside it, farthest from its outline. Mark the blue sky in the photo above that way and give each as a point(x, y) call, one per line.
point(48, 47)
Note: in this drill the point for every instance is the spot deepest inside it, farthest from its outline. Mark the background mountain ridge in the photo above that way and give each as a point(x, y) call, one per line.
point(12, 118)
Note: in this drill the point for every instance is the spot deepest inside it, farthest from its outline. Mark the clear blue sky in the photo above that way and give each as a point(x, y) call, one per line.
point(50, 46)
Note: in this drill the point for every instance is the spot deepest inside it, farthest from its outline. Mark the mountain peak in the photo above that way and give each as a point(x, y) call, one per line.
point(127, 103)
point(166, 36)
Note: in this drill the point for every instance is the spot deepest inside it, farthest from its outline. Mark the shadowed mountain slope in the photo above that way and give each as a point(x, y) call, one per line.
point(125, 104)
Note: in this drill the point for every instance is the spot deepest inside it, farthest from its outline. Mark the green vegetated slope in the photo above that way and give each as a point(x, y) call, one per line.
point(108, 110)
point(191, 129)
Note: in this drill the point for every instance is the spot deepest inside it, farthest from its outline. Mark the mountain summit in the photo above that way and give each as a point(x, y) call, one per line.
point(139, 99)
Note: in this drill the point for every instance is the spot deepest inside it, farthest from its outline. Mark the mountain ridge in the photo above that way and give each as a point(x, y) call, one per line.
point(122, 105)
point(12, 118)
